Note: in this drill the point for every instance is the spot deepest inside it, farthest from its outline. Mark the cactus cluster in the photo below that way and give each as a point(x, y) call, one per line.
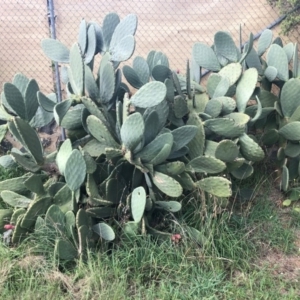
point(126, 157)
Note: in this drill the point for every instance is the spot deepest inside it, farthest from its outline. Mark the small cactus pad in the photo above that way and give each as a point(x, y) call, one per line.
point(15, 200)
point(205, 57)
point(36, 208)
point(172, 206)
point(277, 58)
point(207, 164)
point(250, 149)
point(285, 178)
point(291, 131)
point(149, 94)
point(75, 170)
point(132, 131)
point(227, 151)
point(104, 231)
point(289, 98)
point(65, 250)
point(167, 184)
point(264, 41)
point(245, 88)
point(63, 154)
point(183, 135)
point(243, 171)
point(217, 186)
point(55, 50)
point(138, 203)
point(232, 72)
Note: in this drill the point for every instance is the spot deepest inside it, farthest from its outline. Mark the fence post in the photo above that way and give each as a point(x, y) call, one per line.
point(51, 18)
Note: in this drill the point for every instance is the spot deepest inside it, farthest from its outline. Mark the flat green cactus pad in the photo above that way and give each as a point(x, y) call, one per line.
point(225, 127)
point(36, 208)
point(132, 77)
point(205, 57)
point(183, 135)
point(19, 233)
point(15, 200)
point(132, 131)
point(14, 184)
point(16, 213)
point(34, 183)
point(245, 88)
point(55, 50)
point(141, 67)
point(277, 58)
point(153, 148)
point(30, 139)
point(250, 149)
point(60, 109)
point(227, 151)
point(292, 149)
point(270, 137)
point(64, 199)
point(171, 168)
point(76, 71)
point(172, 206)
point(75, 170)
point(291, 131)
point(217, 85)
point(232, 72)
point(65, 250)
point(213, 107)
point(217, 186)
point(289, 97)
point(264, 41)
point(207, 164)
point(99, 130)
point(167, 184)
point(138, 203)
point(101, 212)
point(104, 231)
point(243, 171)
point(144, 96)
point(225, 46)
point(285, 178)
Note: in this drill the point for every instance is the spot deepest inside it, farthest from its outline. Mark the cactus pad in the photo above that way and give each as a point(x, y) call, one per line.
point(138, 203)
point(245, 88)
point(277, 58)
point(132, 131)
point(291, 131)
point(289, 98)
point(167, 184)
point(227, 151)
point(149, 95)
point(104, 231)
point(207, 164)
point(172, 206)
point(217, 186)
point(65, 250)
point(250, 149)
point(75, 170)
point(264, 41)
point(55, 50)
point(205, 57)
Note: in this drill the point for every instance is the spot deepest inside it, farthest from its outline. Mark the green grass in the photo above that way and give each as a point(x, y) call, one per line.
point(231, 264)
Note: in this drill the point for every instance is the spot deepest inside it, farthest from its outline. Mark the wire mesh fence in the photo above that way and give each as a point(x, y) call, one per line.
point(170, 26)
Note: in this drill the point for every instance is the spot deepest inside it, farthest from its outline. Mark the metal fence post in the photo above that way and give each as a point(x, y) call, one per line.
point(51, 16)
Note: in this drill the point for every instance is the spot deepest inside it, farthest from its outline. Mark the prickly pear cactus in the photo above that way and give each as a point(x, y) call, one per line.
point(131, 158)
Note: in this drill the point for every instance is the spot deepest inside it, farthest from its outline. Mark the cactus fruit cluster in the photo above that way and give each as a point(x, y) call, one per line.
point(128, 158)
